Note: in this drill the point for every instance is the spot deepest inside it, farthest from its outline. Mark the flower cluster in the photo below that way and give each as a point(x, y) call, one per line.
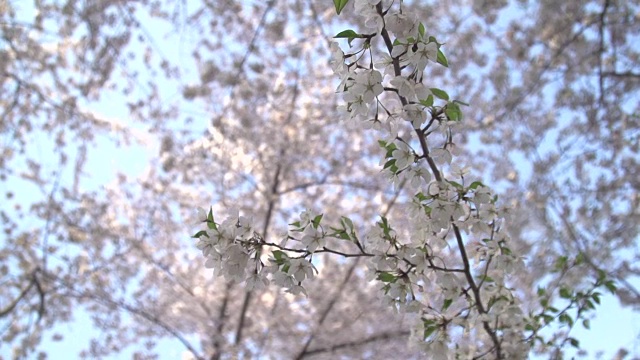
point(234, 250)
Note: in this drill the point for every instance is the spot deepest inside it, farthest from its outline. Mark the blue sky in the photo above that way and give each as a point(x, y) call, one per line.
point(613, 326)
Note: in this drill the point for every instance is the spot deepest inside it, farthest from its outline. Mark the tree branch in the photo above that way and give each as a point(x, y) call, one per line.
point(374, 338)
point(327, 310)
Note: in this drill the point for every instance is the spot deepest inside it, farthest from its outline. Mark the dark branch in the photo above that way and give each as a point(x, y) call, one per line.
point(374, 338)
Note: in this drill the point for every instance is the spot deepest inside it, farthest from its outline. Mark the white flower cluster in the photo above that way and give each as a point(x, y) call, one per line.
point(458, 248)
point(453, 268)
point(234, 250)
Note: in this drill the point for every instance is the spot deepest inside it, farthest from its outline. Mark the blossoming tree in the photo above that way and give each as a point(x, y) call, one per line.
point(453, 263)
point(365, 187)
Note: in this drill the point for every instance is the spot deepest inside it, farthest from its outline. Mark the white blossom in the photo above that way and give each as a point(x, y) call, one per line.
point(403, 25)
point(256, 281)
point(300, 269)
point(423, 53)
point(313, 239)
point(368, 84)
point(403, 155)
point(415, 114)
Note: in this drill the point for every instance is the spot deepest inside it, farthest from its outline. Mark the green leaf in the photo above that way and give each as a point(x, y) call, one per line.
point(389, 163)
point(347, 34)
point(611, 286)
point(387, 277)
point(452, 110)
point(566, 319)
point(428, 102)
point(340, 4)
point(384, 223)
point(541, 291)
point(295, 224)
point(390, 148)
point(474, 185)
point(565, 293)
point(574, 342)
point(447, 302)
point(346, 223)
point(561, 263)
point(487, 279)
point(421, 30)
point(316, 220)
point(280, 256)
point(440, 93)
point(421, 197)
point(199, 234)
point(586, 323)
point(339, 234)
point(455, 184)
point(429, 330)
point(442, 60)
point(211, 224)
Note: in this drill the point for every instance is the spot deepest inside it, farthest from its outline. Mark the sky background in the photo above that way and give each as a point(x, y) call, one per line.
point(612, 327)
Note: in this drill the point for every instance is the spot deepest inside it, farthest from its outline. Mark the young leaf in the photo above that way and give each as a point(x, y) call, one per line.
point(316, 220)
point(386, 277)
point(574, 342)
point(429, 330)
point(541, 291)
point(561, 262)
point(277, 254)
point(339, 234)
point(455, 184)
point(442, 60)
point(295, 224)
point(440, 93)
point(348, 34)
point(428, 102)
point(452, 110)
point(474, 185)
point(199, 234)
point(611, 286)
point(389, 163)
point(340, 4)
